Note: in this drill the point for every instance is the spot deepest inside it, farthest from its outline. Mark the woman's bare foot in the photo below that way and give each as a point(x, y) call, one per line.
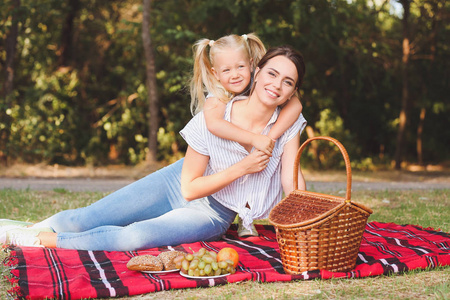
point(48, 239)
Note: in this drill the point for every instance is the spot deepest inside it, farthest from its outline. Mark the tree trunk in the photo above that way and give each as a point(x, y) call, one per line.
point(11, 42)
point(8, 87)
point(67, 33)
point(419, 142)
point(433, 47)
point(313, 147)
point(405, 89)
point(150, 84)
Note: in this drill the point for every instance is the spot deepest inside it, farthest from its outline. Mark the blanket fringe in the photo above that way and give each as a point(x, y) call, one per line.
point(10, 273)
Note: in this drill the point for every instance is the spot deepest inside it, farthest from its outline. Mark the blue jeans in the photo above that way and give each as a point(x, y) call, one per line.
point(150, 212)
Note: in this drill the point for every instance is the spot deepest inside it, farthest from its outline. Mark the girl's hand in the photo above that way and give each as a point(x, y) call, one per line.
point(254, 162)
point(263, 143)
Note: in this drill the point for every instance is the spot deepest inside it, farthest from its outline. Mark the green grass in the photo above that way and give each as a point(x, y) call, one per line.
point(427, 208)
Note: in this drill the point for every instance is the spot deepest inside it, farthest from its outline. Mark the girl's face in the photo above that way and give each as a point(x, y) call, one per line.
point(232, 69)
point(275, 82)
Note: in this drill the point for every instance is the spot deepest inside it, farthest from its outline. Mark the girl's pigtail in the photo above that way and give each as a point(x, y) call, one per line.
point(256, 48)
point(202, 72)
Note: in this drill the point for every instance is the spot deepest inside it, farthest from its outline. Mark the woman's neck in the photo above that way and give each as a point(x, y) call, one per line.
point(250, 115)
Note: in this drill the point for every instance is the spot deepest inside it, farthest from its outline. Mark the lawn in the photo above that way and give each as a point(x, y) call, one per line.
point(427, 208)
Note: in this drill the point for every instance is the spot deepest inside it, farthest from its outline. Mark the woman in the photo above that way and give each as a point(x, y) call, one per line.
point(219, 178)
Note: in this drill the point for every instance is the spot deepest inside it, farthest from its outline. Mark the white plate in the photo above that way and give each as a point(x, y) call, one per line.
point(203, 277)
point(161, 272)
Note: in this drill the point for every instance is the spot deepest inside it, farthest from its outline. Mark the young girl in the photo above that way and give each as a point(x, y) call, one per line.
point(224, 72)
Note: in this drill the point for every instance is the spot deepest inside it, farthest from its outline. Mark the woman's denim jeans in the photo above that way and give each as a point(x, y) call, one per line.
point(150, 212)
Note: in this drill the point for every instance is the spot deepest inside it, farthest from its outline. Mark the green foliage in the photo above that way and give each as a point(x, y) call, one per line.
point(45, 128)
point(87, 103)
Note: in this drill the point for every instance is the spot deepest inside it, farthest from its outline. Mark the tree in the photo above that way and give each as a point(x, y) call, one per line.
point(8, 87)
point(67, 33)
point(403, 118)
point(80, 89)
point(150, 84)
point(431, 15)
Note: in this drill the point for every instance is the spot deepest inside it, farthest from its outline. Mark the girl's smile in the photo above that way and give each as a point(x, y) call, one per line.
point(232, 69)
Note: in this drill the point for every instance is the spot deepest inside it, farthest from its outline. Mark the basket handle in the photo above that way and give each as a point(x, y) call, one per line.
point(344, 154)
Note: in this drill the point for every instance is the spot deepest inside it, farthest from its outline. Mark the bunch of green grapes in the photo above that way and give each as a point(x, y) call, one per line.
point(204, 263)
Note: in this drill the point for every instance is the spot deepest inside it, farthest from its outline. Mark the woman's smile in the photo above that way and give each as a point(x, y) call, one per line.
point(272, 94)
point(275, 82)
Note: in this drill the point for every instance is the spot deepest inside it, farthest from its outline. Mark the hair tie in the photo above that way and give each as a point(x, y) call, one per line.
point(244, 36)
point(211, 43)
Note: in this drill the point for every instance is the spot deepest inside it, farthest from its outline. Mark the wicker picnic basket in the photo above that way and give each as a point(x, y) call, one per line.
point(319, 231)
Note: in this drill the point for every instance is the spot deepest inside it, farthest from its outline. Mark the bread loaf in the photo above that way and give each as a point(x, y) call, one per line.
point(145, 263)
point(167, 258)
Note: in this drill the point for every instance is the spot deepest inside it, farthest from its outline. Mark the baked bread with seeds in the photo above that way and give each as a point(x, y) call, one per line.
point(168, 257)
point(145, 263)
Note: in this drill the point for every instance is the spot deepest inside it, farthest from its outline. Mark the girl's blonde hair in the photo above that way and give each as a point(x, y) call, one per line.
point(203, 80)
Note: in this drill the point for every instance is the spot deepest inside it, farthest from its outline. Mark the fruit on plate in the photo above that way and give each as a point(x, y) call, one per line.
point(228, 254)
point(205, 263)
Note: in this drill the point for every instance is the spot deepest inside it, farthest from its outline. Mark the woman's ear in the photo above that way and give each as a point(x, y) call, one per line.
point(256, 73)
point(295, 91)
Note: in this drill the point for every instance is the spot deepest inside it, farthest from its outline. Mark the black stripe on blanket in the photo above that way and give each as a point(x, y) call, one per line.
point(103, 277)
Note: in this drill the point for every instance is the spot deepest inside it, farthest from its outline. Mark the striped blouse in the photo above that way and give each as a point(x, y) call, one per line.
point(262, 190)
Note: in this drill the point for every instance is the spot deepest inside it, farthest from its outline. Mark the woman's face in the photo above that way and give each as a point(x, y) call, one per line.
point(275, 82)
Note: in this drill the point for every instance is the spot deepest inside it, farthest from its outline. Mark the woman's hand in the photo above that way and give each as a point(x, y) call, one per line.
point(194, 184)
point(263, 143)
point(254, 162)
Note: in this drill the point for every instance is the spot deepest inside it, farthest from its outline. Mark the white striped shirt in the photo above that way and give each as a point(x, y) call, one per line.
point(262, 190)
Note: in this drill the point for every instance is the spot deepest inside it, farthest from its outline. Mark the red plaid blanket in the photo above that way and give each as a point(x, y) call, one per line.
point(69, 274)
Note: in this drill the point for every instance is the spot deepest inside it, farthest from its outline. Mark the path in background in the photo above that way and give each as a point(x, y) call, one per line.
point(109, 185)
point(110, 178)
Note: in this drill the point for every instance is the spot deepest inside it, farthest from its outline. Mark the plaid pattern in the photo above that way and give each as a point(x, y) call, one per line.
point(386, 248)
